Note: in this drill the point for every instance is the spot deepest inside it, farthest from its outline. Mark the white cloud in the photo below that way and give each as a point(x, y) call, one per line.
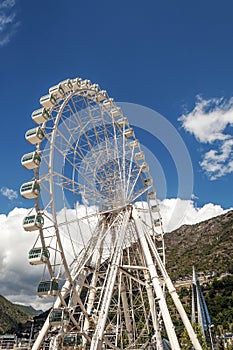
point(8, 22)
point(7, 4)
point(19, 280)
point(9, 193)
point(190, 214)
point(209, 122)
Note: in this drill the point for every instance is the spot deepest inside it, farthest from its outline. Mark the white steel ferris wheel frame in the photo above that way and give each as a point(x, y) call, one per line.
point(117, 280)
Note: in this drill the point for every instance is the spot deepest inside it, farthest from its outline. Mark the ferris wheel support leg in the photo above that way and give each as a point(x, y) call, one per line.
point(175, 297)
point(156, 284)
point(103, 313)
point(159, 344)
point(91, 299)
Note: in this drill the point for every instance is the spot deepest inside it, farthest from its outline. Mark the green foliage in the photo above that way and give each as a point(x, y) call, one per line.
point(11, 315)
point(219, 298)
point(207, 245)
point(186, 342)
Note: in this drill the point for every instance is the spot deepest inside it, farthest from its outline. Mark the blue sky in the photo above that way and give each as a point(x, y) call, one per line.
point(170, 57)
point(159, 54)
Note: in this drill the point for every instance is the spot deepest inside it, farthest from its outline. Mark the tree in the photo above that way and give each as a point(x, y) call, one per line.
point(186, 342)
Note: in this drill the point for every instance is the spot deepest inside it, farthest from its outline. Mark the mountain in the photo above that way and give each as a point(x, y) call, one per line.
point(207, 245)
point(12, 315)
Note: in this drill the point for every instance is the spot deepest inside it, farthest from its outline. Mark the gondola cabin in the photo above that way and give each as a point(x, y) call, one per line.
point(57, 91)
point(128, 132)
point(66, 85)
point(157, 222)
point(134, 144)
point(37, 256)
point(48, 101)
point(31, 160)
point(144, 168)
point(147, 181)
point(122, 122)
point(139, 156)
point(30, 190)
point(115, 112)
point(76, 83)
point(151, 195)
point(33, 222)
point(93, 89)
point(72, 340)
point(47, 289)
point(40, 116)
point(59, 317)
point(85, 84)
point(101, 95)
point(108, 103)
point(154, 208)
point(34, 135)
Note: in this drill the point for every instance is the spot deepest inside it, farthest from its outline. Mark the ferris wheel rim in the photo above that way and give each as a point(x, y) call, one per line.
point(58, 110)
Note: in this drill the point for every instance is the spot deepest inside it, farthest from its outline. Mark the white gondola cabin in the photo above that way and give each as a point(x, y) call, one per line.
point(76, 83)
point(101, 95)
point(37, 256)
point(157, 222)
point(134, 144)
point(40, 116)
point(147, 181)
point(47, 289)
point(128, 132)
point(35, 135)
point(85, 84)
point(93, 89)
point(59, 317)
point(115, 112)
point(66, 85)
point(154, 208)
point(139, 156)
point(31, 160)
point(151, 195)
point(144, 168)
point(48, 101)
point(57, 91)
point(122, 122)
point(159, 238)
point(33, 222)
point(108, 103)
point(30, 190)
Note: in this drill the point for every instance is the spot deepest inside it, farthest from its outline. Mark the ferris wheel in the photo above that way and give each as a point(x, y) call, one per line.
point(100, 236)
